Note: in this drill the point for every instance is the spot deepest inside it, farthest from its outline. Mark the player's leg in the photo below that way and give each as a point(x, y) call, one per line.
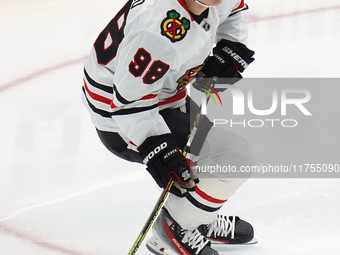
point(168, 233)
point(199, 209)
point(222, 148)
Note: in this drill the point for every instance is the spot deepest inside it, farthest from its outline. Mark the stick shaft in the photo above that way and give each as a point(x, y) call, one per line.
point(166, 190)
point(151, 218)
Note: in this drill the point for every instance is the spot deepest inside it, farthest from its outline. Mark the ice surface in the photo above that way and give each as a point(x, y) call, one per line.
point(61, 192)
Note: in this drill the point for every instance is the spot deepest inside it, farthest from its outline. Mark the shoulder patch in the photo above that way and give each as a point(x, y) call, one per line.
point(173, 27)
point(186, 78)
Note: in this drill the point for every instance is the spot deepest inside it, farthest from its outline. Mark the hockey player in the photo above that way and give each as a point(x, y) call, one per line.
point(134, 88)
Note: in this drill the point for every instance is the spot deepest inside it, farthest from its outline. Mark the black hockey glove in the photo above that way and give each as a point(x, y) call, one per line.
point(229, 59)
point(164, 160)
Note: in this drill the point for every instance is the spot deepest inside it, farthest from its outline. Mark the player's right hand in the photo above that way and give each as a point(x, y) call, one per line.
point(164, 160)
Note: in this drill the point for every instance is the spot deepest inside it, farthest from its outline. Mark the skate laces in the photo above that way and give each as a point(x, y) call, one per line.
point(223, 226)
point(194, 239)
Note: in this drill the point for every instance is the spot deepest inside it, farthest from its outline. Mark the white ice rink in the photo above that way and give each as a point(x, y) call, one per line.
point(62, 192)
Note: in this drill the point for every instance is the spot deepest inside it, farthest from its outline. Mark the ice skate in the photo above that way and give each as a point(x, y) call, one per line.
point(169, 238)
point(228, 230)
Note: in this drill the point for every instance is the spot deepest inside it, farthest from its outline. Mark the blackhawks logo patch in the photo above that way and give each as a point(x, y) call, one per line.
point(173, 27)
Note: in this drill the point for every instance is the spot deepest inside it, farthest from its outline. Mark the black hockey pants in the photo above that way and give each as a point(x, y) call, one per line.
point(179, 123)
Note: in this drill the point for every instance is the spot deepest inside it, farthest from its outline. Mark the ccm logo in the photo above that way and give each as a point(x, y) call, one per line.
point(155, 152)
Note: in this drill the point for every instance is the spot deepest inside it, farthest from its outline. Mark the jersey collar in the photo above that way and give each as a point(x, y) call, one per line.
point(181, 2)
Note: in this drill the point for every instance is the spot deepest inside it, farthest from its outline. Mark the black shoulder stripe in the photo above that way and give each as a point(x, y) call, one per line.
point(135, 110)
point(243, 9)
point(102, 113)
point(120, 98)
point(136, 3)
point(107, 89)
point(200, 205)
point(98, 85)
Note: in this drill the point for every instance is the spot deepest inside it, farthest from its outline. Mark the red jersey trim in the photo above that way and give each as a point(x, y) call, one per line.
point(209, 198)
point(95, 96)
point(240, 6)
point(112, 105)
point(175, 98)
point(181, 2)
point(148, 97)
point(143, 98)
point(133, 143)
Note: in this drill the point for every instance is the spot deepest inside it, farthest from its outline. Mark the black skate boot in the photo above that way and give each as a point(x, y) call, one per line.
point(170, 238)
point(228, 230)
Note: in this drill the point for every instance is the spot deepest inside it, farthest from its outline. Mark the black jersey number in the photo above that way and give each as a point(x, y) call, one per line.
point(141, 61)
point(107, 43)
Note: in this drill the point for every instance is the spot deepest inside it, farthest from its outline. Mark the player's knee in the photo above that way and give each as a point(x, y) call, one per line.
point(230, 151)
point(243, 151)
point(234, 146)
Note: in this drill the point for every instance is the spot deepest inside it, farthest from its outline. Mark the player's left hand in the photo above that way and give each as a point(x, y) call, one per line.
point(229, 60)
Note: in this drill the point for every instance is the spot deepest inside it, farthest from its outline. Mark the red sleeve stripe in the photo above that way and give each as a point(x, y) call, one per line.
point(148, 97)
point(95, 96)
point(240, 6)
point(112, 105)
point(143, 98)
point(175, 98)
point(133, 143)
point(209, 198)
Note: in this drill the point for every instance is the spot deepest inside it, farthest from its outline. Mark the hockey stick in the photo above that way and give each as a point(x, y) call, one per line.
point(165, 192)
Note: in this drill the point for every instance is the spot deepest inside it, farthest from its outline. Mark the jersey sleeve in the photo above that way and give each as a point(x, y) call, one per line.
point(234, 26)
point(142, 65)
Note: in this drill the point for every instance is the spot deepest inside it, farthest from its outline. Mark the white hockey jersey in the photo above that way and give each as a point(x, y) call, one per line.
point(143, 60)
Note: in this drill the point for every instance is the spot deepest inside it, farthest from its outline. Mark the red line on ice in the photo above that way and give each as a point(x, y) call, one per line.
point(254, 19)
point(39, 73)
point(38, 242)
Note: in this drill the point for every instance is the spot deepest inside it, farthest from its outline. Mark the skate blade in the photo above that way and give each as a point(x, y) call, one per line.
point(157, 246)
point(251, 242)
